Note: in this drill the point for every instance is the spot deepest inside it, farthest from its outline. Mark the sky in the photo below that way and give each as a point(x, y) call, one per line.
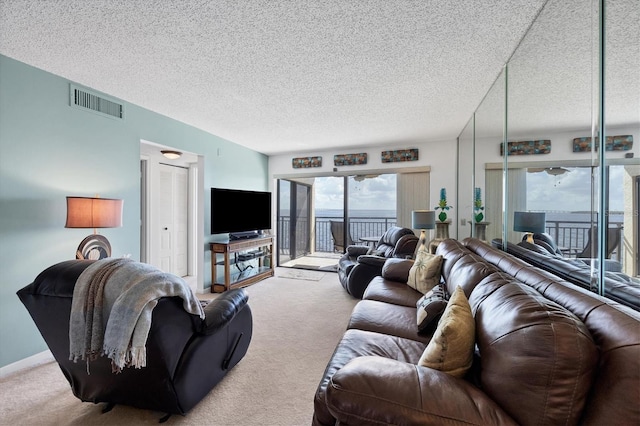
point(571, 191)
point(377, 193)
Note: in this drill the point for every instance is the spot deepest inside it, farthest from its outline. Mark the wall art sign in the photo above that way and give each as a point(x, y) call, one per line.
point(542, 146)
point(614, 143)
point(350, 159)
point(399, 155)
point(306, 162)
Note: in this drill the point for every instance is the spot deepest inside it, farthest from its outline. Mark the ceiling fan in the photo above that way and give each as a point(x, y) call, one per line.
point(553, 171)
point(360, 178)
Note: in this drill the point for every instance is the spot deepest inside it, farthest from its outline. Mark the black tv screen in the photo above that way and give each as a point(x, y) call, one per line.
point(237, 211)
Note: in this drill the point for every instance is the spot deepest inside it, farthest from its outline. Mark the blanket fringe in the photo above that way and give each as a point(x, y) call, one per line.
point(133, 357)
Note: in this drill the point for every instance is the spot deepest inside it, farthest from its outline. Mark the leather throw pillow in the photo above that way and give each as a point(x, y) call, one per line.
point(451, 347)
point(425, 272)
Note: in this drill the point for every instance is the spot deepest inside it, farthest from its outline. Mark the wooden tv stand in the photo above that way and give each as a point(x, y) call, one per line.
point(242, 251)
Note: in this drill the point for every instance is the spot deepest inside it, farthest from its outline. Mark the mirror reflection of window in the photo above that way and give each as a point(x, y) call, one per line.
point(564, 194)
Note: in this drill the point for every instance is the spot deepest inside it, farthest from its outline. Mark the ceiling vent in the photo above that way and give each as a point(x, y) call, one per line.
point(88, 101)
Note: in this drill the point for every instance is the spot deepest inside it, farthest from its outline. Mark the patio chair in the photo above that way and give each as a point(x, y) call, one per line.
point(337, 234)
point(614, 236)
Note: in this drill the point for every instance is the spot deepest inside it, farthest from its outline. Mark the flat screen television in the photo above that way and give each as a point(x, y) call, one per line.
point(242, 214)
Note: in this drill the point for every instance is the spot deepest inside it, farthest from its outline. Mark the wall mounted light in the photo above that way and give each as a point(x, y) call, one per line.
point(171, 155)
point(94, 212)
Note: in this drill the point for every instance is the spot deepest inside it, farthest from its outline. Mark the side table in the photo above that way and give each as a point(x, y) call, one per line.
point(442, 233)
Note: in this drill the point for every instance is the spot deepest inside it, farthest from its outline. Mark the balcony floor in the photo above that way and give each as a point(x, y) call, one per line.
point(319, 261)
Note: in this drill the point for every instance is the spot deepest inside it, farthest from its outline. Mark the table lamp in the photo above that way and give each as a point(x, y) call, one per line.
point(93, 212)
point(423, 220)
point(530, 223)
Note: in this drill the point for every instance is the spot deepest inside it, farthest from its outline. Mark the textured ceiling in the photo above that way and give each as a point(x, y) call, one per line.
point(280, 76)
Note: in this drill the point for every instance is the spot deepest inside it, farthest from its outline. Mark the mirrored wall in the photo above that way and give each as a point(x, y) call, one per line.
point(533, 145)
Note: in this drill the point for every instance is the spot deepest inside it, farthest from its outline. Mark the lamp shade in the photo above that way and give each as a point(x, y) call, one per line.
point(87, 212)
point(529, 222)
point(423, 219)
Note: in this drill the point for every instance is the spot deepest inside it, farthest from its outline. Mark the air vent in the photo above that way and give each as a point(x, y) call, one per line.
point(84, 99)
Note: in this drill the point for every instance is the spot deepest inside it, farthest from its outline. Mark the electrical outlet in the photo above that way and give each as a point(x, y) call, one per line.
point(463, 222)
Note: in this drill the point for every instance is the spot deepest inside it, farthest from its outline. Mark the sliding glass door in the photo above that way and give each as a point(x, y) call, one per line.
point(294, 220)
point(319, 217)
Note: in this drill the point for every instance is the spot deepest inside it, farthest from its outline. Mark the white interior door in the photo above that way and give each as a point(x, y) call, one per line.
point(173, 219)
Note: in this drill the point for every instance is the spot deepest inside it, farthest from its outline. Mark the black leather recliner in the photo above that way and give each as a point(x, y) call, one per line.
point(186, 355)
point(359, 265)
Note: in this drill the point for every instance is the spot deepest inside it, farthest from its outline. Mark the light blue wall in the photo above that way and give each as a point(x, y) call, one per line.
point(49, 150)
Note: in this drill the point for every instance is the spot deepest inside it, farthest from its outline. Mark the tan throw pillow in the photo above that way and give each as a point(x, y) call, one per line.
point(425, 272)
point(451, 347)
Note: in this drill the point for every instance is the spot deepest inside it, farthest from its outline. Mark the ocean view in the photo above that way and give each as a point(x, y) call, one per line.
point(355, 213)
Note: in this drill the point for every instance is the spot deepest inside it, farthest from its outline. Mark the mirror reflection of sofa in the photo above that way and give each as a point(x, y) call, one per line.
point(545, 255)
point(549, 246)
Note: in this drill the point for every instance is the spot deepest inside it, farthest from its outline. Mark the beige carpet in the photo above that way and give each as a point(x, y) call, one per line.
point(297, 324)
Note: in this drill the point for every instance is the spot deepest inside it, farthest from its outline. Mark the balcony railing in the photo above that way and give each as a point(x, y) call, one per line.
point(358, 227)
point(571, 236)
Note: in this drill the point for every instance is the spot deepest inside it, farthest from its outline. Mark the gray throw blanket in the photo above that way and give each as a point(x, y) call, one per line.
point(111, 310)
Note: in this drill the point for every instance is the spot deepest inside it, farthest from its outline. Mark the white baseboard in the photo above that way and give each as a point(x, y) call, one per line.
point(30, 362)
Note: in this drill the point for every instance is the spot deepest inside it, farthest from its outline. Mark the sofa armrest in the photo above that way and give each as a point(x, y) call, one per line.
point(355, 251)
point(376, 390)
point(397, 269)
point(219, 312)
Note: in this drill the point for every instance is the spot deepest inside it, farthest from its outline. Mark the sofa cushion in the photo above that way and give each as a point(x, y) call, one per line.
point(451, 348)
point(386, 318)
point(468, 271)
point(425, 272)
point(394, 292)
point(430, 308)
point(538, 359)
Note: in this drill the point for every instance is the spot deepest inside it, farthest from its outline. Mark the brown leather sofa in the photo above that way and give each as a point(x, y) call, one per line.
point(547, 351)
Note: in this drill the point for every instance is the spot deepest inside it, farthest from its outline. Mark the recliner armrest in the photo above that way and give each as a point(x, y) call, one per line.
point(222, 310)
point(355, 251)
point(367, 259)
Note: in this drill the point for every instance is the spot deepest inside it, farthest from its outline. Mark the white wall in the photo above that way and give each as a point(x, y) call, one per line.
point(440, 156)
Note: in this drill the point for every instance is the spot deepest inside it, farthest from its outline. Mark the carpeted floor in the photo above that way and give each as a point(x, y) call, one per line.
point(296, 328)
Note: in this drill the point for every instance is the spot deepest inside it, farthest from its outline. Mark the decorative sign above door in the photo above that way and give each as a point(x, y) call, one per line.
point(306, 162)
point(542, 146)
point(350, 159)
point(399, 155)
point(614, 143)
